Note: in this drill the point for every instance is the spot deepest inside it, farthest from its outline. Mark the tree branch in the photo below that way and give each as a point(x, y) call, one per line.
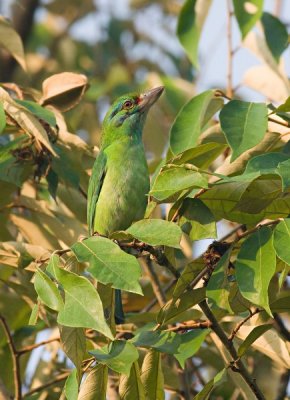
point(15, 359)
point(237, 364)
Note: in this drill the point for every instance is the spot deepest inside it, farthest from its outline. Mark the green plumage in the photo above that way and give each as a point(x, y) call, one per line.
point(119, 183)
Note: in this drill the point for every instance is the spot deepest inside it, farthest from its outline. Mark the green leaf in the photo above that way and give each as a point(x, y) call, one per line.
point(11, 170)
point(216, 381)
point(285, 107)
point(47, 291)
point(283, 170)
point(190, 344)
point(2, 118)
point(156, 232)
point(130, 387)
point(188, 274)
point(190, 120)
point(176, 306)
point(247, 12)
point(218, 287)
point(52, 180)
point(83, 307)
point(109, 264)
point(71, 386)
point(11, 41)
point(244, 125)
point(34, 314)
point(255, 267)
point(152, 376)
point(174, 180)
point(119, 355)
point(201, 155)
point(165, 342)
point(95, 385)
point(258, 196)
point(190, 22)
point(66, 165)
point(282, 240)
point(265, 163)
point(276, 35)
point(39, 111)
point(222, 198)
point(253, 335)
point(197, 220)
point(73, 342)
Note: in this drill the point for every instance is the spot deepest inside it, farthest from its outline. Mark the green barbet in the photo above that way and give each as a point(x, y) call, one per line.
point(119, 184)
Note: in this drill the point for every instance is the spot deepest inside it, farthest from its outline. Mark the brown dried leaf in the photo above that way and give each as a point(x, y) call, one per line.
point(25, 119)
point(64, 90)
point(11, 41)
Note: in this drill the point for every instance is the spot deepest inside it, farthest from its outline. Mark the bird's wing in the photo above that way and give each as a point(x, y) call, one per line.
point(95, 186)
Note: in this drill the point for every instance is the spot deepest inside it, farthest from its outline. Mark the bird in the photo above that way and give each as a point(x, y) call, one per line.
point(119, 184)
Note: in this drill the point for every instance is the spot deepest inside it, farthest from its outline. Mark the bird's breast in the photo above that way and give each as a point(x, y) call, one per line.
point(123, 197)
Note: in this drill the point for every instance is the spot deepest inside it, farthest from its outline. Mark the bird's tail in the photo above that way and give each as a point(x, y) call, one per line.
point(119, 312)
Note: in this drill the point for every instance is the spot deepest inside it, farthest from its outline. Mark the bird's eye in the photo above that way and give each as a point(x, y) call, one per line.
point(128, 104)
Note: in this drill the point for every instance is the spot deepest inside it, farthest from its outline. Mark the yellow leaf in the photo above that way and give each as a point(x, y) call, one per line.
point(25, 119)
point(11, 41)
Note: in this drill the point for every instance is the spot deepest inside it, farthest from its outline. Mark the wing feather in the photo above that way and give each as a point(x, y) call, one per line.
point(95, 186)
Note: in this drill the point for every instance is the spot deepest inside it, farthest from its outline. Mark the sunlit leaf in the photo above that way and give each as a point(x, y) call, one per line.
point(172, 181)
point(191, 119)
point(130, 387)
point(190, 344)
point(281, 240)
point(71, 386)
point(64, 90)
point(197, 220)
point(11, 41)
point(2, 118)
point(47, 291)
point(95, 384)
point(191, 19)
point(167, 342)
point(119, 355)
point(73, 343)
point(39, 111)
point(82, 307)
point(252, 337)
point(247, 12)
point(25, 119)
point(109, 264)
point(255, 267)
point(176, 306)
point(244, 125)
point(156, 232)
point(220, 378)
point(152, 376)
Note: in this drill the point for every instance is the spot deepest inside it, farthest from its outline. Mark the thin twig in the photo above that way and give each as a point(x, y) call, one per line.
point(155, 283)
point(237, 364)
point(188, 326)
point(15, 359)
point(59, 378)
point(230, 50)
point(26, 349)
point(241, 323)
point(256, 228)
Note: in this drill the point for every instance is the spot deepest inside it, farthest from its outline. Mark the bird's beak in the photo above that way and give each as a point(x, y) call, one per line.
point(147, 99)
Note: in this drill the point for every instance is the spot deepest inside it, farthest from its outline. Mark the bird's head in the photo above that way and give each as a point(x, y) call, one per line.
point(127, 114)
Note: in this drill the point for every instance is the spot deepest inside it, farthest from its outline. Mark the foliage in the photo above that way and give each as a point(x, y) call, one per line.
point(227, 162)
